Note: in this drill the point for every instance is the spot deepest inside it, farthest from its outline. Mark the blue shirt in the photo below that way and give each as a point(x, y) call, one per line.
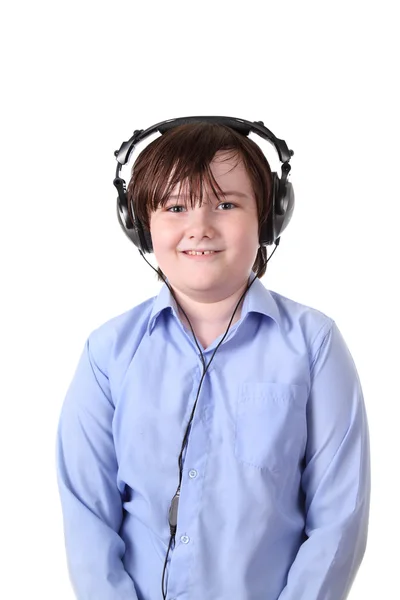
point(276, 481)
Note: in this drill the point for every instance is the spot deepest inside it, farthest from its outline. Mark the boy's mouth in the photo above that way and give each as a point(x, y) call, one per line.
point(201, 255)
point(200, 252)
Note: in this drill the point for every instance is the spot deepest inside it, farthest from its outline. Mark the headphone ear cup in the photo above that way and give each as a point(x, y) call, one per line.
point(282, 206)
point(133, 230)
point(267, 229)
point(145, 238)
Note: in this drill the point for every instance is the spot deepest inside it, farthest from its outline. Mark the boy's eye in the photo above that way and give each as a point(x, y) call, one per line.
point(175, 206)
point(225, 203)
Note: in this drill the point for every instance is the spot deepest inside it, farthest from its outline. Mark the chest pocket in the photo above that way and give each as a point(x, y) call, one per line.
point(270, 425)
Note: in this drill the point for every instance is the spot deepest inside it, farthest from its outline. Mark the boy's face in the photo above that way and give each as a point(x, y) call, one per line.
point(228, 226)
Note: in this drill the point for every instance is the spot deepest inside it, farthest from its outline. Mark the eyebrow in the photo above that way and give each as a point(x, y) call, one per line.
point(230, 193)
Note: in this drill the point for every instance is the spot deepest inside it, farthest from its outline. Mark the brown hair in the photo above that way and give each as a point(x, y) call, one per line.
point(184, 153)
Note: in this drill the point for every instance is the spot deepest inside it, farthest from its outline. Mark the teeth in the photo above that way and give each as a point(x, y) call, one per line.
point(194, 253)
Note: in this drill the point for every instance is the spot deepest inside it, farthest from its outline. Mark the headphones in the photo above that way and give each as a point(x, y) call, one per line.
point(282, 204)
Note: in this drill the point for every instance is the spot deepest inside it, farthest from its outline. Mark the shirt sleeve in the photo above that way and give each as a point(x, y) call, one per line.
point(87, 481)
point(336, 478)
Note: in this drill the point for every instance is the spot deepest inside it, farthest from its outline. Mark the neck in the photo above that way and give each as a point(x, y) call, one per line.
point(210, 315)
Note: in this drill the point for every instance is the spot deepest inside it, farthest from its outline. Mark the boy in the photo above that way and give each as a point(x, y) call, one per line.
point(213, 443)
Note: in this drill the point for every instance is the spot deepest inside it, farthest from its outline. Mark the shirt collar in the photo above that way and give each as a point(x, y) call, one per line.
point(257, 299)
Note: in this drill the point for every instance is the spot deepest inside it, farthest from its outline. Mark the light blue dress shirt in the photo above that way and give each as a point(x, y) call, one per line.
point(276, 482)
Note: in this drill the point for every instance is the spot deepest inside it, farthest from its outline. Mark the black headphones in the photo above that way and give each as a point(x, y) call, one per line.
point(282, 190)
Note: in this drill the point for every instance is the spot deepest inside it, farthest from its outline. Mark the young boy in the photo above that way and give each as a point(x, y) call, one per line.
point(203, 453)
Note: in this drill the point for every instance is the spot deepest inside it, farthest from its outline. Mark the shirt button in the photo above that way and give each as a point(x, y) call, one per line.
point(192, 473)
point(185, 539)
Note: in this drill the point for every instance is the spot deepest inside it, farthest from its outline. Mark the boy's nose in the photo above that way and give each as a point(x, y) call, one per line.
point(200, 221)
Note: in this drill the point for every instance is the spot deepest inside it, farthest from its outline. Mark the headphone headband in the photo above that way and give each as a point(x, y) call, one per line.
point(240, 125)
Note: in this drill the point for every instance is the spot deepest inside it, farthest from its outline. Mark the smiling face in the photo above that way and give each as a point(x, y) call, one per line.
point(227, 225)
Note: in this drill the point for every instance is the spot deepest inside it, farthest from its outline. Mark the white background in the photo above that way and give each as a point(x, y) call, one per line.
point(78, 78)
